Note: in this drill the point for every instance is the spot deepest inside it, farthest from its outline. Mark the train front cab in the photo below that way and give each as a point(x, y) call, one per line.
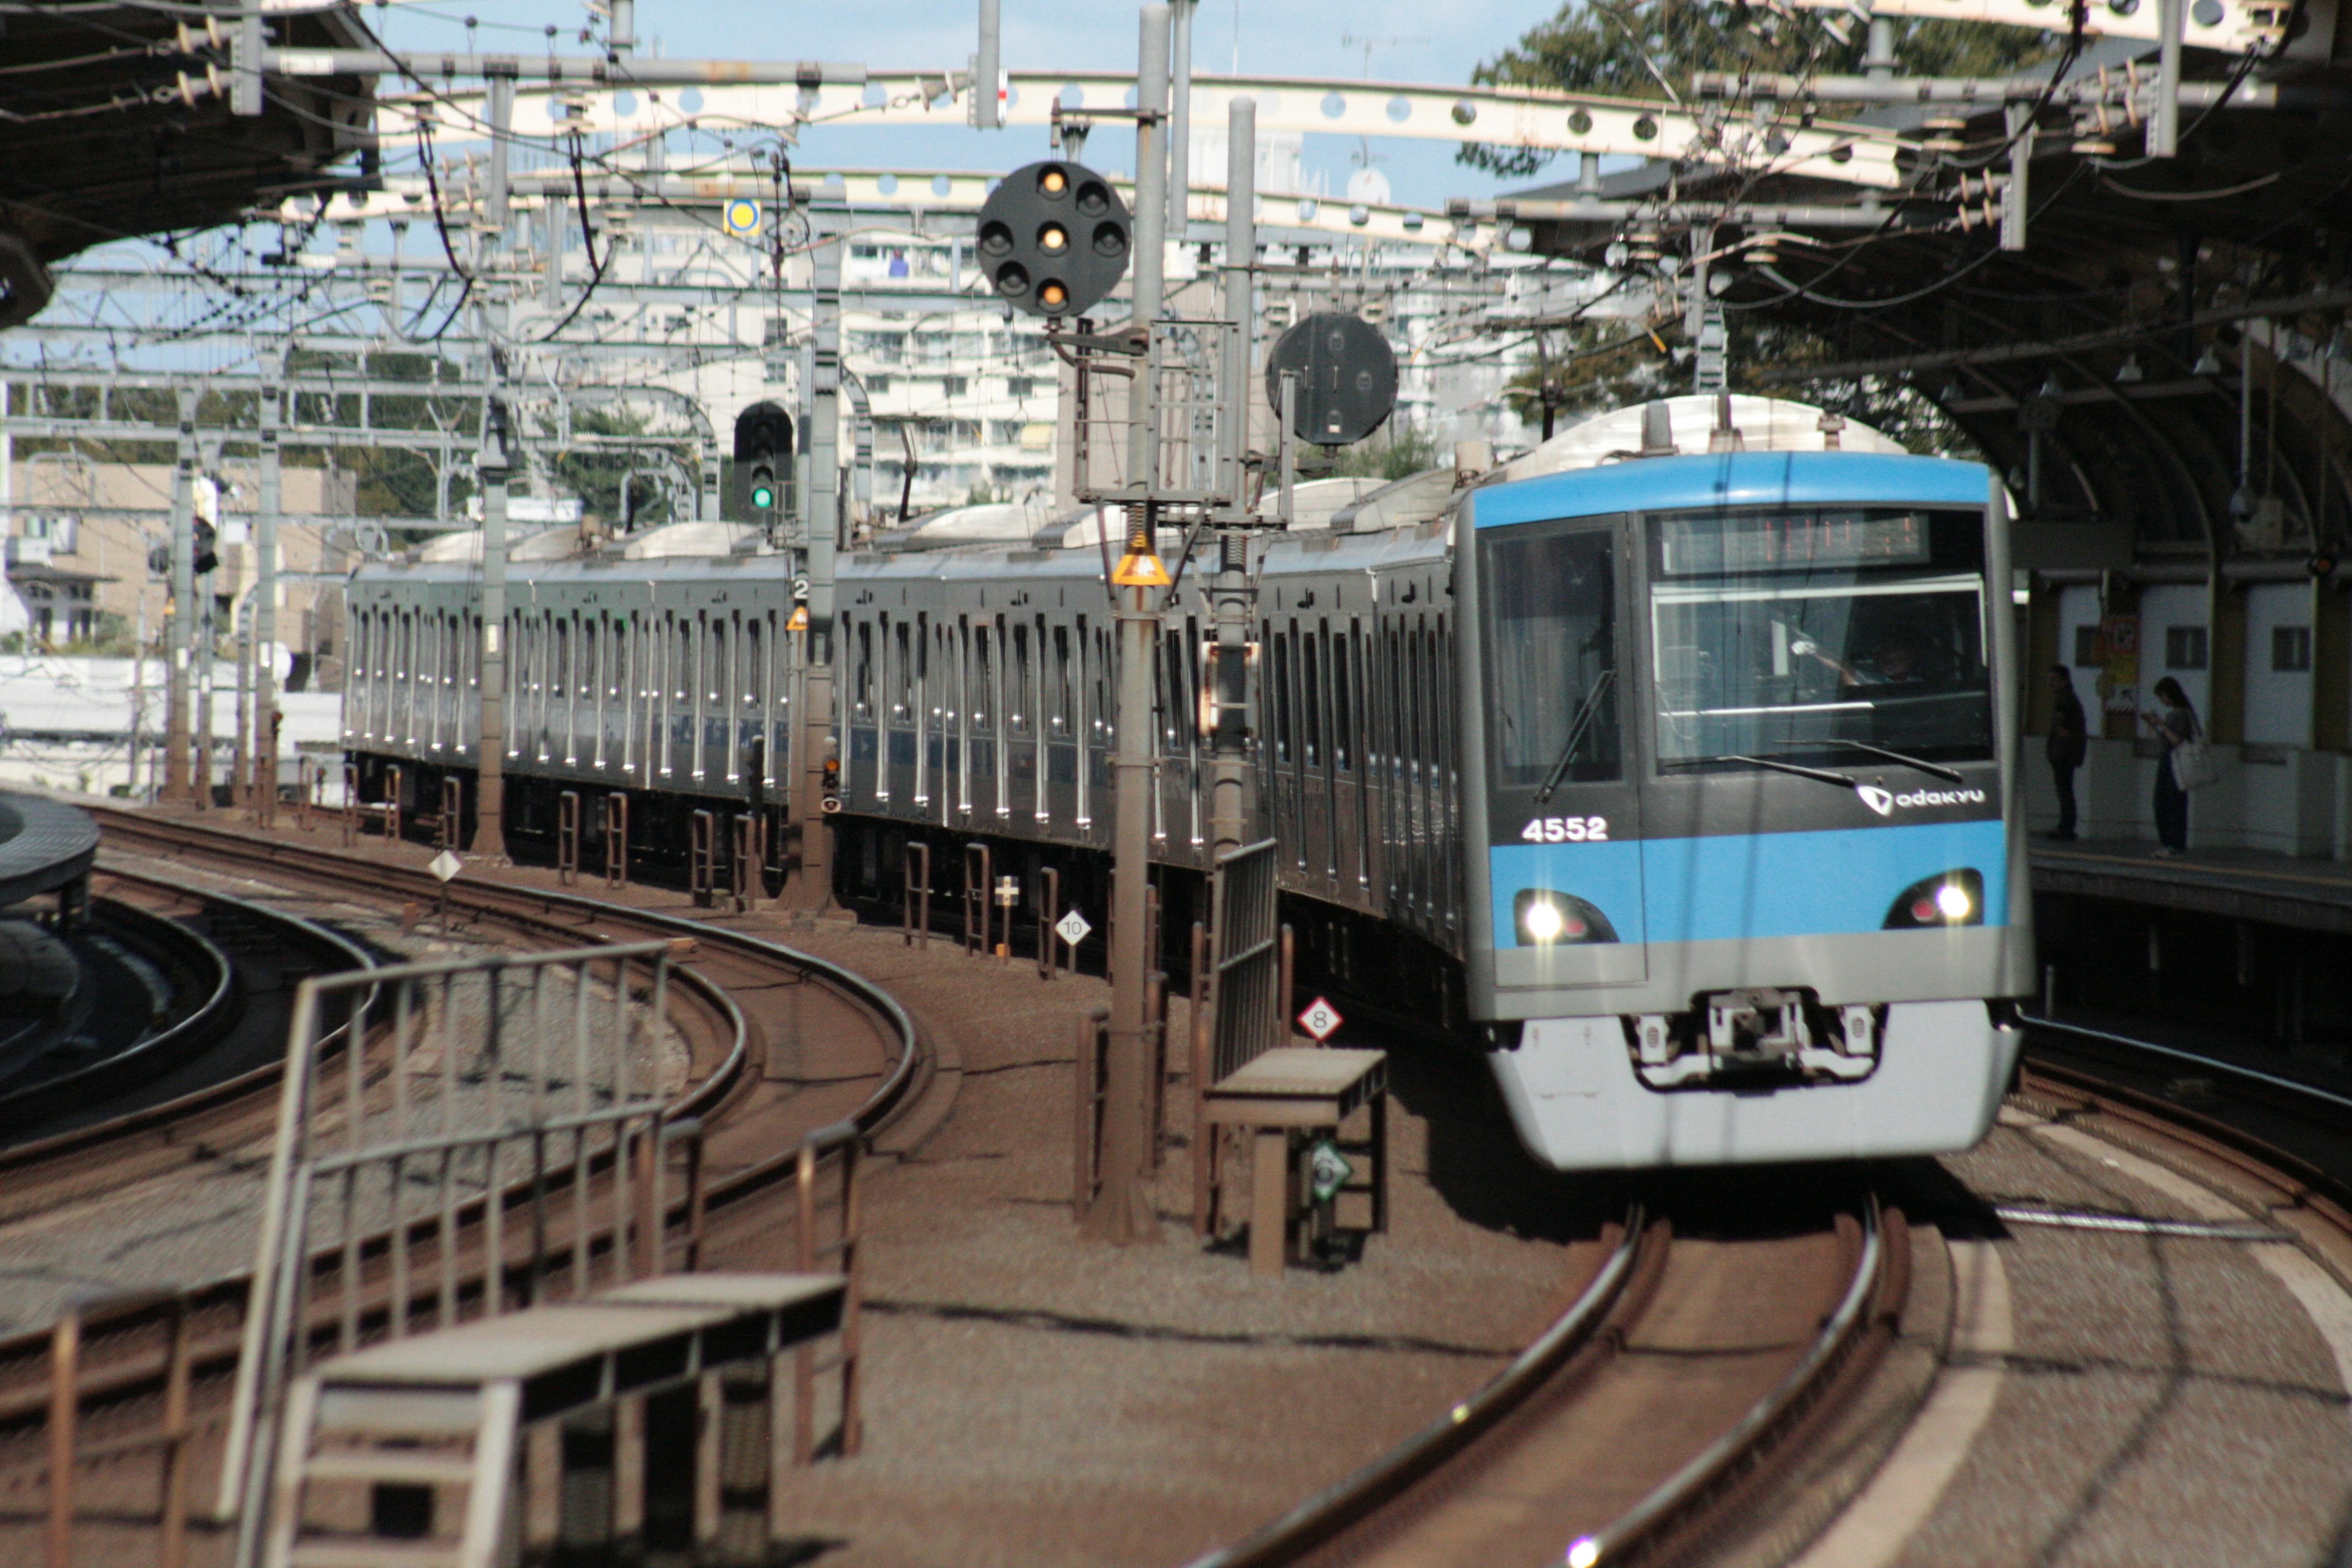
point(1746, 874)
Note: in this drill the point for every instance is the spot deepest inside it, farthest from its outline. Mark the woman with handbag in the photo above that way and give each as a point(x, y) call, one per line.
point(2184, 766)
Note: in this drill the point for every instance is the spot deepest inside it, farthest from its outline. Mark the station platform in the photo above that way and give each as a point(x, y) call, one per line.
point(2302, 893)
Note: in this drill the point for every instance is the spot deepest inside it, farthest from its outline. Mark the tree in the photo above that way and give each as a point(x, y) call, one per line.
point(1623, 51)
point(1395, 451)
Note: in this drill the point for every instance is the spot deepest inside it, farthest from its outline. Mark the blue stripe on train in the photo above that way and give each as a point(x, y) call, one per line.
point(1733, 479)
point(1753, 885)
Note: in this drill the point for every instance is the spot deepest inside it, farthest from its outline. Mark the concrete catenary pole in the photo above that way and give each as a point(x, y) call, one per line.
point(820, 505)
point(489, 808)
point(985, 69)
point(265, 588)
point(180, 622)
point(1229, 593)
point(1122, 1210)
point(1180, 130)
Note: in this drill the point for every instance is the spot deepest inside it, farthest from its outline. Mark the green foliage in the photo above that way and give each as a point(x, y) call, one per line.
point(1592, 369)
point(1622, 50)
point(1395, 451)
point(596, 473)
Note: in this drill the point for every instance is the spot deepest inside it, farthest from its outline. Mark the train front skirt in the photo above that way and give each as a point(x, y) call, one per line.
point(1574, 1096)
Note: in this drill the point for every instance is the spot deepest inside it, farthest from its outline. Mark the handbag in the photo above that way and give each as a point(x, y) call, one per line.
point(2193, 764)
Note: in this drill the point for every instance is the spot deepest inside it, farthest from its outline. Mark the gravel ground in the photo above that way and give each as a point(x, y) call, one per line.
point(1037, 1399)
point(2168, 1400)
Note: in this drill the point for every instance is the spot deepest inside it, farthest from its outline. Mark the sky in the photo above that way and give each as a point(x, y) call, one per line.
point(1409, 41)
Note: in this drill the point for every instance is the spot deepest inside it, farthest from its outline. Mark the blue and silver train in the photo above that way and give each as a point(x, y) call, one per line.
point(1684, 785)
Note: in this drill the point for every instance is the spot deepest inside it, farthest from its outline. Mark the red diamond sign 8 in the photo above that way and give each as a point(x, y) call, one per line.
point(1321, 1020)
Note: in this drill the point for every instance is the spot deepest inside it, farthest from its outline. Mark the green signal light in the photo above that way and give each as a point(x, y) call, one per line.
point(763, 497)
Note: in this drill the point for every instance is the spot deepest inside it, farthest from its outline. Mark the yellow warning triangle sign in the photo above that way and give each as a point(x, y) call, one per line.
point(799, 623)
point(1142, 571)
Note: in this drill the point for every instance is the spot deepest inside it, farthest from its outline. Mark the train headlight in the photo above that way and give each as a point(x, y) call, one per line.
point(1546, 918)
point(1950, 899)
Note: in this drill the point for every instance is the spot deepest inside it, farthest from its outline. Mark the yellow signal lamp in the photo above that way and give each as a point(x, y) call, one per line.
point(1053, 239)
point(1054, 182)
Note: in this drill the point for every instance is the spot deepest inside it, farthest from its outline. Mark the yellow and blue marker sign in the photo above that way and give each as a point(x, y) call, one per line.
point(741, 218)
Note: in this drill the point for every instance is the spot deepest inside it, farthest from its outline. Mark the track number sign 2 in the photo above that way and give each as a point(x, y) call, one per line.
point(1566, 830)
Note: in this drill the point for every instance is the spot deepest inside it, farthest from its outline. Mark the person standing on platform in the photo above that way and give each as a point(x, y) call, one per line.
point(2175, 727)
point(2069, 742)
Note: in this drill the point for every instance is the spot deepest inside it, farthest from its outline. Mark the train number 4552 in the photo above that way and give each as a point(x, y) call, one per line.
point(1566, 830)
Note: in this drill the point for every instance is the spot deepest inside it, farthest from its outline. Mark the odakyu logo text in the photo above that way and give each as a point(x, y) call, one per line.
point(1885, 802)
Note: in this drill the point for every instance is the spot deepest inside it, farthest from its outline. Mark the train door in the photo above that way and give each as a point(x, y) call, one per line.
point(1315, 752)
point(1564, 855)
point(985, 759)
point(901, 714)
point(1057, 785)
point(1347, 766)
point(863, 755)
point(1023, 722)
point(1102, 732)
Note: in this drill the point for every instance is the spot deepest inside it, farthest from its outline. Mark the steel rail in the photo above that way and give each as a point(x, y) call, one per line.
point(228, 1292)
point(501, 899)
point(169, 945)
point(1682, 1496)
point(1681, 1500)
point(1332, 1509)
point(2300, 1182)
point(28, 1156)
point(2293, 1086)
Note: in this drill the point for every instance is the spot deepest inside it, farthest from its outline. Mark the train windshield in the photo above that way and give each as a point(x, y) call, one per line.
point(1796, 636)
point(1551, 653)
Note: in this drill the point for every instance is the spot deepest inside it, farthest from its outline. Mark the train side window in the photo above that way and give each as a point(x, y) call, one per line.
point(1310, 690)
point(861, 671)
point(1059, 720)
point(1018, 700)
point(1280, 681)
point(1167, 695)
point(984, 684)
point(1343, 709)
point(1550, 612)
point(1103, 724)
point(902, 700)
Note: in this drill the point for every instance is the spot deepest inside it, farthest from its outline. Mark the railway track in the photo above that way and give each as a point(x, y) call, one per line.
point(782, 1046)
point(1652, 1403)
point(2281, 1148)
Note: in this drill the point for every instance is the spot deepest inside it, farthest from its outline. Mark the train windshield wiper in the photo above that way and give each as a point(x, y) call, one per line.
point(1934, 770)
point(1576, 728)
point(1819, 775)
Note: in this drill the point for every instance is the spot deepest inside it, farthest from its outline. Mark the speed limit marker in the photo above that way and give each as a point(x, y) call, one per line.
point(1321, 1020)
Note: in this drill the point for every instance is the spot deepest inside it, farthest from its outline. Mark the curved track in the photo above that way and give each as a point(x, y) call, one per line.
point(783, 1046)
point(232, 964)
point(1625, 1431)
point(2282, 1145)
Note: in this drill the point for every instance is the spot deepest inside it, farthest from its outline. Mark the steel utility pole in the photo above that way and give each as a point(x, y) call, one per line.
point(1180, 130)
point(179, 613)
point(1123, 1210)
point(1231, 595)
point(490, 752)
point(265, 588)
point(820, 505)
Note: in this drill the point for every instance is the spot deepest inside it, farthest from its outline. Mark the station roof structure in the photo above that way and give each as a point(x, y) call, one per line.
point(122, 121)
point(2119, 336)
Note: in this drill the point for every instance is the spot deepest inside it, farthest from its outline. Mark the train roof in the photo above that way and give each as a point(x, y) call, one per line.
point(1734, 478)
